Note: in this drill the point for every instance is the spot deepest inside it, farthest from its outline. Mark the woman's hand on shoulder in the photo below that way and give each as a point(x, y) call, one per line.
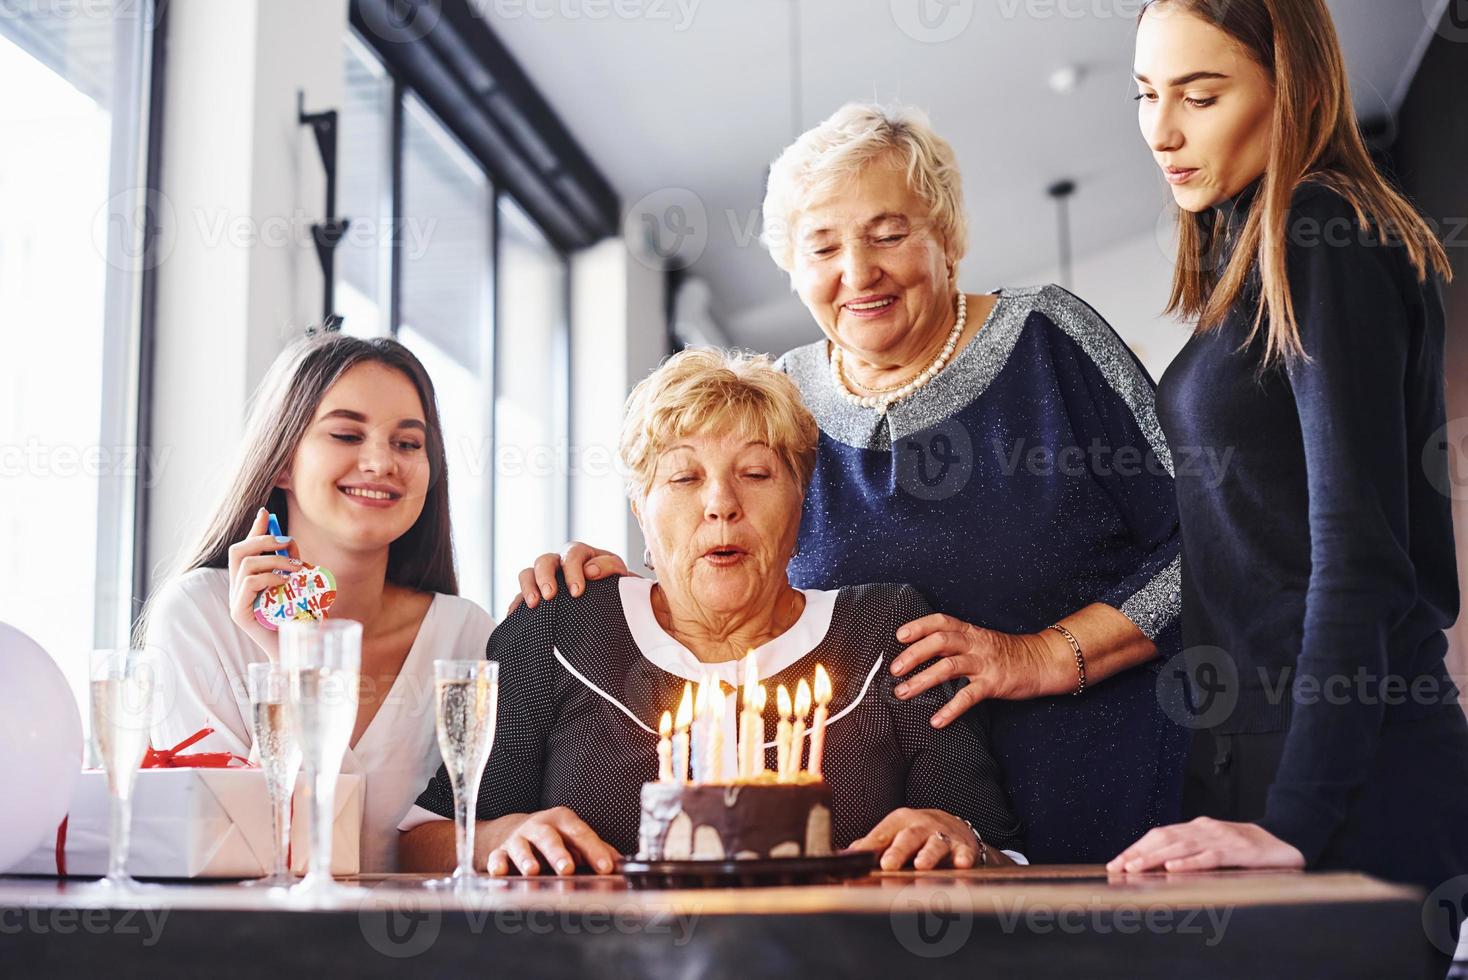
point(554, 840)
point(254, 567)
point(926, 839)
point(581, 563)
point(1008, 666)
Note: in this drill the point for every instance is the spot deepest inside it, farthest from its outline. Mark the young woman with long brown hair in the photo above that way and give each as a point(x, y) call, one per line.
point(344, 446)
point(1319, 574)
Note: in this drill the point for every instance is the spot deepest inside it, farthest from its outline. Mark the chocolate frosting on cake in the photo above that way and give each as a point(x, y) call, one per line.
point(747, 820)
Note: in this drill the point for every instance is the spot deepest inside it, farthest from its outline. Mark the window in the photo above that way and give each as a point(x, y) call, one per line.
point(76, 78)
point(447, 321)
point(479, 293)
point(364, 194)
point(530, 422)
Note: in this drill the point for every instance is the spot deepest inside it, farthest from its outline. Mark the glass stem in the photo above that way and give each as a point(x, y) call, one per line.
point(321, 807)
point(119, 826)
point(464, 831)
point(280, 803)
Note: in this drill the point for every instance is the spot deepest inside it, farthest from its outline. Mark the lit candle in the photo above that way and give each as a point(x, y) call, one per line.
point(782, 734)
point(680, 739)
point(665, 748)
point(746, 721)
point(818, 725)
point(700, 745)
point(797, 737)
point(715, 767)
point(757, 729)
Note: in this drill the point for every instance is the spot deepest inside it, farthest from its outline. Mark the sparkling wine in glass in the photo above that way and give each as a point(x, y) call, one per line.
point(280, 759)
point(123, 683)
point(466, 704)
point(322, 662)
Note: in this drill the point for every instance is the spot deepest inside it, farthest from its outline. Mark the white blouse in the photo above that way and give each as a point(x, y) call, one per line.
point(208, 654)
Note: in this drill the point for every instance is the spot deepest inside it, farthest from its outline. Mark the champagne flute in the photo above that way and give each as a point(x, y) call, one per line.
point(280, 759)
point(466, 707)
point(122, 688)
point(322, 661)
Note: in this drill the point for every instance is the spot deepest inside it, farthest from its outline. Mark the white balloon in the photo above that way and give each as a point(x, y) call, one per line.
point(40, 745)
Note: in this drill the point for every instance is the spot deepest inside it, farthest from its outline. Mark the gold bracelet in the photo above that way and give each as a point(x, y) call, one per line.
point(1075, 646)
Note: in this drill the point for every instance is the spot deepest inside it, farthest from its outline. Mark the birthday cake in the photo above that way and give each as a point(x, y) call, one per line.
point(757, 814)
point(735, 821)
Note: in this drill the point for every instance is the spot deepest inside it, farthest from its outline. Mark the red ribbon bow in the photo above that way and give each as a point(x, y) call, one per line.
point(174, 759)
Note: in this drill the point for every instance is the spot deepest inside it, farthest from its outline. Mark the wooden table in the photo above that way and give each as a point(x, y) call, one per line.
point(1044, 921)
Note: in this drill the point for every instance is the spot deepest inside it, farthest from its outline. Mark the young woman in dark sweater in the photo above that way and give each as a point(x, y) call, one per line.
point(1319, 572)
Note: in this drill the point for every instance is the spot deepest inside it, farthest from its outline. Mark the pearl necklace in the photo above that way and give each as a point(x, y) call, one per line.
point(891, 396)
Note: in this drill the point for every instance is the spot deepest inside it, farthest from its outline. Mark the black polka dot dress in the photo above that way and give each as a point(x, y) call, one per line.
point(584, 681)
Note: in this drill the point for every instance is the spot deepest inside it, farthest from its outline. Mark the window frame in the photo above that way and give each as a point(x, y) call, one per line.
point(147, 312)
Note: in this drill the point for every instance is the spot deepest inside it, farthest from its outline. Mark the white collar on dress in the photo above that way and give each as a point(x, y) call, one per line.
point(667, 653)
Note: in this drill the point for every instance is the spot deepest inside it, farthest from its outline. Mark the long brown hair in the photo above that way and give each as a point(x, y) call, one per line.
point(281, 412)
point(1314, 138)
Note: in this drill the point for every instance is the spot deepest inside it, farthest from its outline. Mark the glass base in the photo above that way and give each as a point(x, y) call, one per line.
point(122, 885)
point(324, 890)
point(282, 881)
point(464, 884)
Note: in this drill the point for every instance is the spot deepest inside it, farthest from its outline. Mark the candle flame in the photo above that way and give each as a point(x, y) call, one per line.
point(760, 697)
point(751, 680)
point(802, 699)
point(782, 701)
point(685, 707)
point(665, 725)
point(823, 686)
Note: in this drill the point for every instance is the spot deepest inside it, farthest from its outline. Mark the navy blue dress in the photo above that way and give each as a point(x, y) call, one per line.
point(1026, 481)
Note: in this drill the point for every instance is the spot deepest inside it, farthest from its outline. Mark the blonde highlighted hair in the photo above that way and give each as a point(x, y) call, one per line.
point(1314, 138)
point(704, 389)
point(855, 137)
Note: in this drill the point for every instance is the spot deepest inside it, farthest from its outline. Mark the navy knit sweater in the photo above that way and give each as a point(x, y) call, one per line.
point(1319, 563)
point(1027, 480)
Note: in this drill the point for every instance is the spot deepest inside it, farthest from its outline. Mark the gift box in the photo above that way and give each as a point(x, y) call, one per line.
point(195, 823)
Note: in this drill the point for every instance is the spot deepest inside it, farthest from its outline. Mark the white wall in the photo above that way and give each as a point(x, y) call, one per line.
point(238, 277)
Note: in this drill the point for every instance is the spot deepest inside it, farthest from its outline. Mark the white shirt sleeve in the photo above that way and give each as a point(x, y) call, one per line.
point(204, 656)
point(417, 817)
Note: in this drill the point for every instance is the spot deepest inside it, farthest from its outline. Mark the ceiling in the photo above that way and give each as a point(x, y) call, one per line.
point(683, 104)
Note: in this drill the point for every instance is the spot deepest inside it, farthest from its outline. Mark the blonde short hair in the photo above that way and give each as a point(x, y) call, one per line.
point(855, 136)
point(703, 389)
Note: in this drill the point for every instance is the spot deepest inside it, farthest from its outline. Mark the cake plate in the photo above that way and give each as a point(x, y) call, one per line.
point(752, 872)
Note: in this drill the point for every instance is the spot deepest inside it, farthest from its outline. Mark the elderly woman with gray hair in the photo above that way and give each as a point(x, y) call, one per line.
point(721, 450)
point(999, 451)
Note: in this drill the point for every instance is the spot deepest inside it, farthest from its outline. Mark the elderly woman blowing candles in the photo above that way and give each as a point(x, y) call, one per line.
point(720, 450)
